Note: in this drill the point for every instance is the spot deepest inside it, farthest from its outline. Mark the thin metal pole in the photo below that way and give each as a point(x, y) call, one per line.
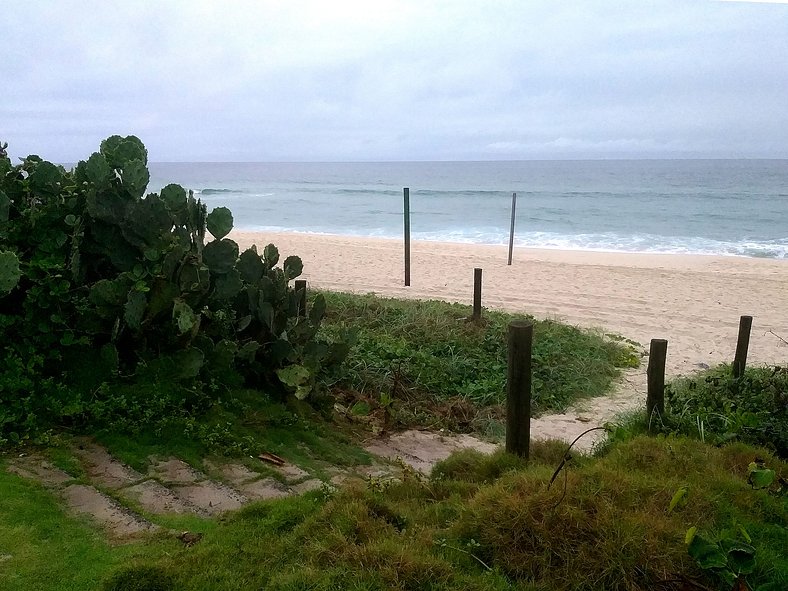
point(511, 228)
point(406, 192)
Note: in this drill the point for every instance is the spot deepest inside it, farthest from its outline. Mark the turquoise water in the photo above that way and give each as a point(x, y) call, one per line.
point(724, 207)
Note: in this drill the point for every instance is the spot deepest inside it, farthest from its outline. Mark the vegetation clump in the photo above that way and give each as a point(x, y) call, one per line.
point(717, 407)
point(430, 351)
point(491, 522)
point(100, 284)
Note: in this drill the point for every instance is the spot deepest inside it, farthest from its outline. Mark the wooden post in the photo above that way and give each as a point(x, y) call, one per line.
point(300, 285)
point(518, 388)
point(655, 373)
point(477, 294)
point(511, 228)
point(406, 192)
point(742, 344)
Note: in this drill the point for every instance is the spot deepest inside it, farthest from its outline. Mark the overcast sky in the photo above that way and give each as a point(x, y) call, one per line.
point(335, 80)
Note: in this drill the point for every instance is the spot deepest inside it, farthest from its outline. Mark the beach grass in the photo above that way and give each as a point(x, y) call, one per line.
point(480, 522)
point(429, 354)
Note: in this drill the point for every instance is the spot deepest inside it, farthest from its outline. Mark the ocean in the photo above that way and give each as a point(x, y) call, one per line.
point(713, 207)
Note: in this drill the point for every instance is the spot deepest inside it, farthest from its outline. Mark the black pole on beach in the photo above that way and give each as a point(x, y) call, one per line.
point(406, 194)
point(518, 388)
point(477, 294)
point(511, 228)
point(742, 344)
point(300, 287)
point(655, 373)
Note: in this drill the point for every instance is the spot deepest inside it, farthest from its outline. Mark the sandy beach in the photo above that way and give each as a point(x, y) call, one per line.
point(692, 301)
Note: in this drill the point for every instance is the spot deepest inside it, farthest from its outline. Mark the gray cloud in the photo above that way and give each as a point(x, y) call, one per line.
point(354, 80)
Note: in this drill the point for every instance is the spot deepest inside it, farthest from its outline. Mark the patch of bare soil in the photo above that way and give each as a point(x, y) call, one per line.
point(423, 449)
point(120, 521)
point(629, 395)
point(38, 469)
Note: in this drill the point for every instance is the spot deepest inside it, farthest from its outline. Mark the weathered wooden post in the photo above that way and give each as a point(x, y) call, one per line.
point(742, 344)
point(655, 373)
point(300, 287)
point(511, 228)
point(518, 388)
point(477, 294)
point(406, 192)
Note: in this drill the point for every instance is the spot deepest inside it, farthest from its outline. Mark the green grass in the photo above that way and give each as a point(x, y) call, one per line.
point(429, 351)
point(246, 424)
point(480, 522)
point(716, 408)
point(43, 549)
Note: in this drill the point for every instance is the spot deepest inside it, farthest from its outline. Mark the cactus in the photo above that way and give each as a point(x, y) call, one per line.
point(5, 207)
point(9, 272)
point(134, 309)
point(220, 222)
point(119, 151)
point(250, 265)
point(270, 256)
point(293, 267)
point(220, 255)
point(117, 270)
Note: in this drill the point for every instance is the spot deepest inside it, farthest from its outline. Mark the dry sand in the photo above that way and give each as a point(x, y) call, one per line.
point(692, 301)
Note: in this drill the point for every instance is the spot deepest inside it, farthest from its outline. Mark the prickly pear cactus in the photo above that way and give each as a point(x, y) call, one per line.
point(9, 272)
point(113, 269)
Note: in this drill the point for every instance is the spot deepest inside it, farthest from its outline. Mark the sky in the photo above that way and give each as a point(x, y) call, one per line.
point(379, 80)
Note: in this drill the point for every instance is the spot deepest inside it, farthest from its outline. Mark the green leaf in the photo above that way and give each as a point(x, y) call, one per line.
point(706, 553)
point(248, 351)
point(135, 178)
point(9, 271)
point(219, 222)
point(188, 363)
point(297, 377)
point(45, 179)
point(98, 171)
point(741, 557)
point(360, 409)
point(690, 535)
point(760, 477)
point(680, 497)
point(134, 310)
point(228, 285)
point(184, 317)
point(293, 267)
point(318, 310)
point(5, 207)
point(121, 150)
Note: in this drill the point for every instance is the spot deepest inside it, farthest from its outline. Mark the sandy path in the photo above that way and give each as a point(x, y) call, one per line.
point(693, 301)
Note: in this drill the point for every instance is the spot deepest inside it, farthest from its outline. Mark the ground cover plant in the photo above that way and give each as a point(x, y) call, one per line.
point(479, 522)
point(428, 352)
point(717, 407)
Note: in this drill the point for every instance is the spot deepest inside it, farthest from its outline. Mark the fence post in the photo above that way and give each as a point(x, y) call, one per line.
point(406, 195)
point(655, 373)
point(518, 388)
point(300, 287)
point(477, 294)
point(511, 228)
point(742, 344)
